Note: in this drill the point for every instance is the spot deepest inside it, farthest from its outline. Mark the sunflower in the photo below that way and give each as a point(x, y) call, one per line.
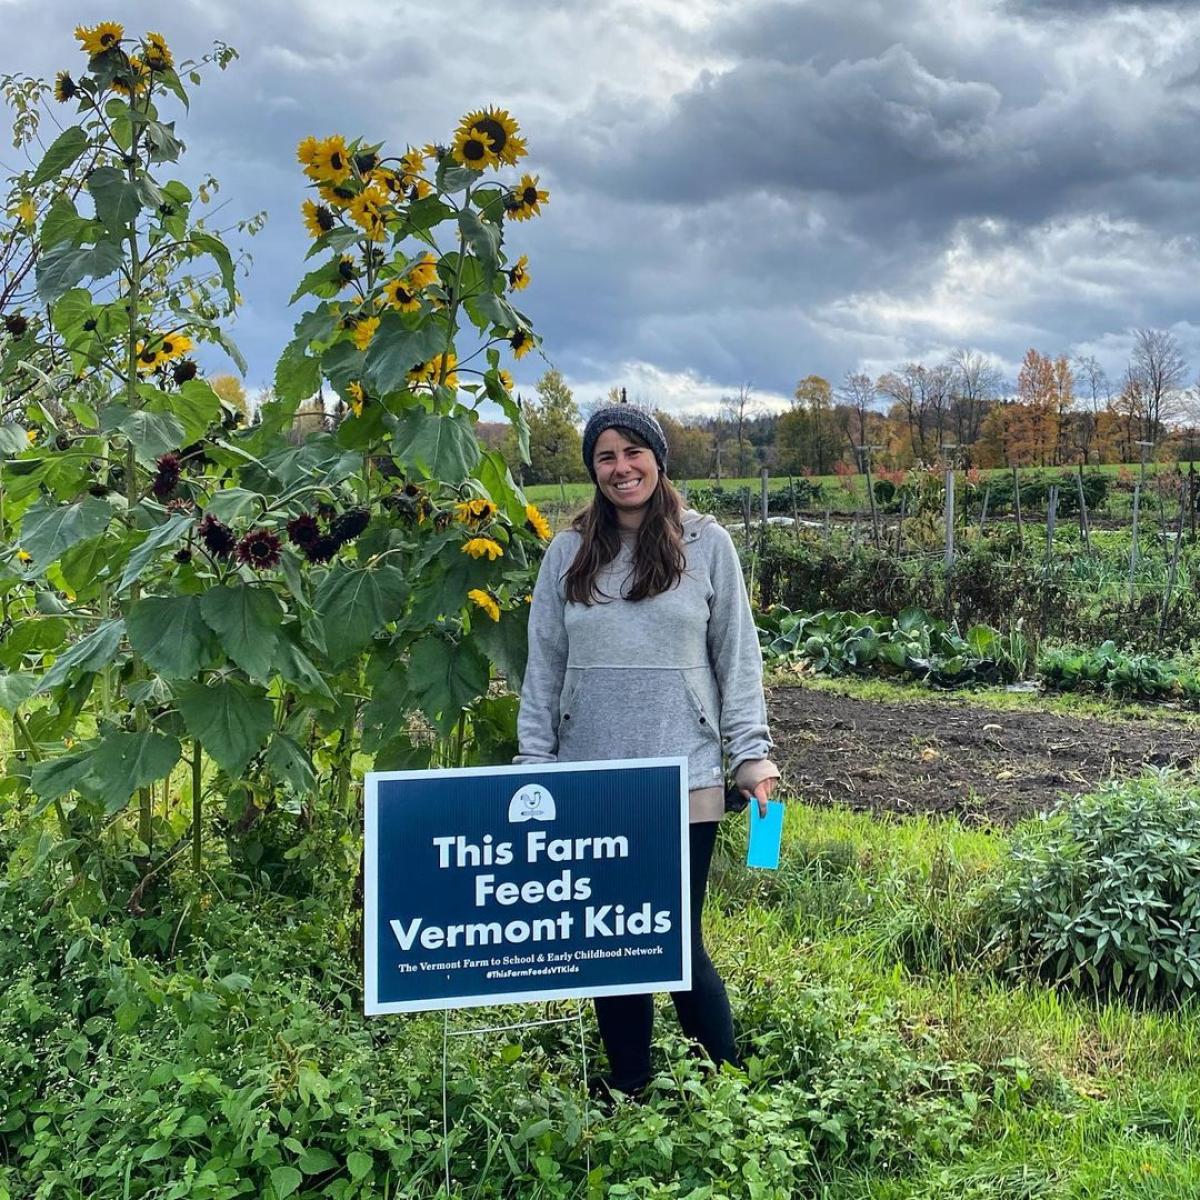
point(367, 212)
point(506, 380)
point(16, 325)
point(65, 87)
point(477, 547)
point(521, 342)
point(134, 81)
point(23, 556)
point(318, 220)
point(347, 272)
point(147, 357)
point(419, 374)
point(526, 198)
point(500, 130)
point(101, 37)
point(536, 523)
point(306, 151)
point(423, 273)
point(412, 162)
point(24, 210)
point(474, 511)
point(358, 397)
point(173, 345)
point(518, 276)
point(397, 294)
point(330, 162)
point(474, 150)
point(486, 601)
point(217, 537)
point(157, 55)
point(364, 331)
point(335, 197)
point(259, 549)
point(436, 364)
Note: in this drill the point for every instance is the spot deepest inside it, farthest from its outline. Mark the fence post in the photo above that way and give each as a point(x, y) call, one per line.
point(900, 523)
point(827, 522)
point(950, 516)
point(764, 477)
point(1133, 542)
point(1192, 497)
point(1017, 503)
point(1051, 517)
point(1084, 530)
point(1166, 608)
point(987, 495)
point(746, 514)
point(795, 514)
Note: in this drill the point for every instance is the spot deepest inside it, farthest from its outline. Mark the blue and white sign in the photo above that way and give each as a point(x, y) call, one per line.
point(491, 885)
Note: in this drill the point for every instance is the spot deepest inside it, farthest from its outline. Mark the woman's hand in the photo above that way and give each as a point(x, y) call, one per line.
point(762, 793)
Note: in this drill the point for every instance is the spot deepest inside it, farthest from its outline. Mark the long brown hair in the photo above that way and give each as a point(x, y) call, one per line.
point(658, 559)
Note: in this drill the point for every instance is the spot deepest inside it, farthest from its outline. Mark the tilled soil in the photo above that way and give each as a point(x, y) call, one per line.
point(946, 756)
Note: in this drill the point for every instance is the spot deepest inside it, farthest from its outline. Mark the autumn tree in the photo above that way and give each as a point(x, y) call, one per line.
point(555, 444)
point(1158, 365)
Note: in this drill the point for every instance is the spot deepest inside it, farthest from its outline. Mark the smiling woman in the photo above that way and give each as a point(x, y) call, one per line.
point(642, 645)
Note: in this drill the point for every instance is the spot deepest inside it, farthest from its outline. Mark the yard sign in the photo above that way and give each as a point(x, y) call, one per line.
point(491, 885)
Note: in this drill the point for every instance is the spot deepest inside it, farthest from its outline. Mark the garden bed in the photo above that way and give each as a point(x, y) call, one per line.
point(948, 756)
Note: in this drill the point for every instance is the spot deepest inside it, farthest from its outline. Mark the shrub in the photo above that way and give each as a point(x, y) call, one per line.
point(1104, 892)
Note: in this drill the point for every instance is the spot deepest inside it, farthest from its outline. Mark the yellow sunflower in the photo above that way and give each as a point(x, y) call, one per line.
point(65, 87)
point(147, 357)
point(347, 272)
point(477, 547)
point(100, 37)
point(500, 130)
point(423, 273)
point(518, 276)
point(474, 150)
point(358, 397)
point(335, 197)
point(330, 161)
point(526, 198)
point(536, 523)
point(506, 380)
point(412, 162)
point(306, 151)
point(134, 81)
point(419, 374)
point(364, 331)
point(157, 54)
point(398, 294)
point(24, 210)
point(435, 370)
point(173, 345)
point(486, 601)
point(367, 211)
point(477, 510)
point(318, 220)
point(521, 342)
point(23, 556)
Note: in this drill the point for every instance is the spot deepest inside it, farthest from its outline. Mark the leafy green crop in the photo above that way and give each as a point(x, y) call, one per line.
point(1133, 676)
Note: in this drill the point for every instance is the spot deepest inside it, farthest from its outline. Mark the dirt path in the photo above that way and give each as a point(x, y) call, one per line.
point(944, 756)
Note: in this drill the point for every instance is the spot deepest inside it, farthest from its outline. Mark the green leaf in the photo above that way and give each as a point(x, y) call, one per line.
point(297, 374)
point(315, 1161)
point(64, 150)
point(353, 602)
point(442, 448)
point(506, 642)
point(492, 471)
point(359, 1164)
point(124, 762)
point(212, 245)
point(55, 777)
point(170, 634)
point(246, 619)
point(446, 678)
point(230, 504)
point(15, 689)
point(195, 407)
point(295, 667)
point(484, 240)
point(48, 529)
point(166, 534)
point(231, 719)
point(90, 653)
point(152, 434)
point(62, 266)
point(62, 223)
point(14, 439)
point(285, 1180)
point(117, 203)
point(288, 762)
point(396, 349)
point(71, 310)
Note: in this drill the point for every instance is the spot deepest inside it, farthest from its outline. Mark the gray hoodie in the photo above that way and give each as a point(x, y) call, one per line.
point(678, 673)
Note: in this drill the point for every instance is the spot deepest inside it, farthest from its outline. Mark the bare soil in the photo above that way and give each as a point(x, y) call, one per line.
point(946, 756)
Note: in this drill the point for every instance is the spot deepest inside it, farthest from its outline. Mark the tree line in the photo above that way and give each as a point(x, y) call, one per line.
point(1059, 410)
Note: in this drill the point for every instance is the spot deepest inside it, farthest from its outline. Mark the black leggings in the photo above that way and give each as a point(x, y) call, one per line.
point(626, 1022)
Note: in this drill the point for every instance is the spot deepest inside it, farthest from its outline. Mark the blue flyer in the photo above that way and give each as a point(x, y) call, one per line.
point(766, 833)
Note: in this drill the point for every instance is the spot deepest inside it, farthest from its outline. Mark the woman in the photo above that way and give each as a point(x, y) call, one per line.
point(642, 644)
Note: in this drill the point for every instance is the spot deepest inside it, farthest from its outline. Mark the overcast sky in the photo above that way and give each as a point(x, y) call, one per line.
point(741, 193)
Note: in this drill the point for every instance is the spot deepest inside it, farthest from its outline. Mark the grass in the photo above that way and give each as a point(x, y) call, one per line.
point(1076, 704)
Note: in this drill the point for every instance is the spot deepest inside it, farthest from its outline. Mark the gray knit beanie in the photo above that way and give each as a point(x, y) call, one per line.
point(624, 416)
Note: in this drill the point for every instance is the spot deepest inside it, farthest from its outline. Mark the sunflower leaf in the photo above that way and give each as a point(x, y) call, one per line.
point(64, 150)
point(396, 349)
point(62, 266)
point(212, 245)
point(117, 203)
point(484, 240)
point(445, 678)
point(440, 447)
point(88, 654)
point(49, 529)
point(231, 719)
point(124, 762)
point(247, 620)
